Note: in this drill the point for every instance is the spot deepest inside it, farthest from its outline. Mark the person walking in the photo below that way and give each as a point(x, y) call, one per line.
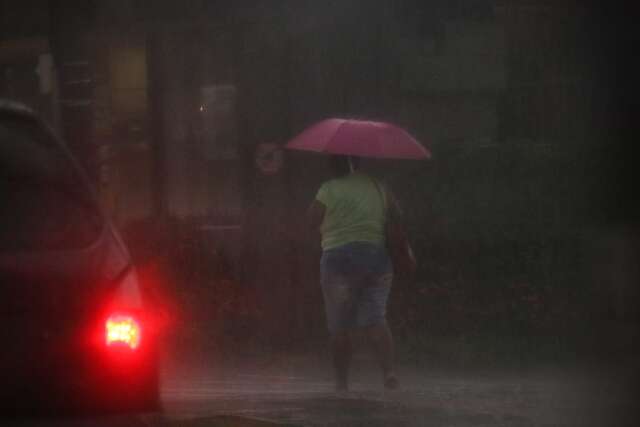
point(350, 212)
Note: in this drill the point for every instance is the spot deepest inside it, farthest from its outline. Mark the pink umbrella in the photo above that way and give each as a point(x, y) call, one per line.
point(359, 138)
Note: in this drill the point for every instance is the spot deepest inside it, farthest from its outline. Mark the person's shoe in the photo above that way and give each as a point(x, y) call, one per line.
point(391, 382)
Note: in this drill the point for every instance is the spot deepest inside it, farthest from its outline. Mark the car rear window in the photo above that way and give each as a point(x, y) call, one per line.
point(46, 205)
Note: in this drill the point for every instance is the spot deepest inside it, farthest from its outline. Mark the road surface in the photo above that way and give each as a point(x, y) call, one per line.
point(299, 393)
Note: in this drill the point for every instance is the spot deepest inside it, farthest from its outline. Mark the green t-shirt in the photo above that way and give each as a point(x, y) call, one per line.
point(354, 211)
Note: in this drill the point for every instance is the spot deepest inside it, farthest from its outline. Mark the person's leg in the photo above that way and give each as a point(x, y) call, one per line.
point(337, 289)
point(382, 342)
point(341, 352)
point(339, 316)
point(372, 310)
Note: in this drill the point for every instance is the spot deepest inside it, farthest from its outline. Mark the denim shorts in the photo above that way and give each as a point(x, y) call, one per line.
point(356, 280)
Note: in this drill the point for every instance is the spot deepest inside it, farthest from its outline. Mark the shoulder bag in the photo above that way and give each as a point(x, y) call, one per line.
point(397, 241)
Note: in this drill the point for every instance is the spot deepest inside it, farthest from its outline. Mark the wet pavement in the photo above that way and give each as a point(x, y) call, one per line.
point(299, 393)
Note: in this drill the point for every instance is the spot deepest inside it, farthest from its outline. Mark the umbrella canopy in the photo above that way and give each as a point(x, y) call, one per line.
point(359, 138)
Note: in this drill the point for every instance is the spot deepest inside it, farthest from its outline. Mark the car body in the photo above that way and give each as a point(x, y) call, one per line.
point(78, 332)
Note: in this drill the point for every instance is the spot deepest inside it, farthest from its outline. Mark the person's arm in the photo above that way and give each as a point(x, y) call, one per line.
point(395, 217)
point(394, 212)
point(398, 240)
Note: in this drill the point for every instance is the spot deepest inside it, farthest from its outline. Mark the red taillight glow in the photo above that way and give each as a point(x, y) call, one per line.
point(123, 330)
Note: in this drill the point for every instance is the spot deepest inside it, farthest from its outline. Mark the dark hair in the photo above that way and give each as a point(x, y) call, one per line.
point(340, 164)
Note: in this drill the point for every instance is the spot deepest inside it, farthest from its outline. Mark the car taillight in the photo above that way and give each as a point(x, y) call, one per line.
point(123, 330)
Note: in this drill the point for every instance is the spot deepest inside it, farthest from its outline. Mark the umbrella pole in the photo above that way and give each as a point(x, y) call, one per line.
point(350, 164)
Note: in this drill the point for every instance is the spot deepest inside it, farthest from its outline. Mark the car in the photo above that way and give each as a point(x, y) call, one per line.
point(77, 329)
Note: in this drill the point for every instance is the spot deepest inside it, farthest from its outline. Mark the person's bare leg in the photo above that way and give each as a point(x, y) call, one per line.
point(382, 342)
point(341, 349)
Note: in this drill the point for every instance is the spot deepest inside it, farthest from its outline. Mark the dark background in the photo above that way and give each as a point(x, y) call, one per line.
point(525, 222)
